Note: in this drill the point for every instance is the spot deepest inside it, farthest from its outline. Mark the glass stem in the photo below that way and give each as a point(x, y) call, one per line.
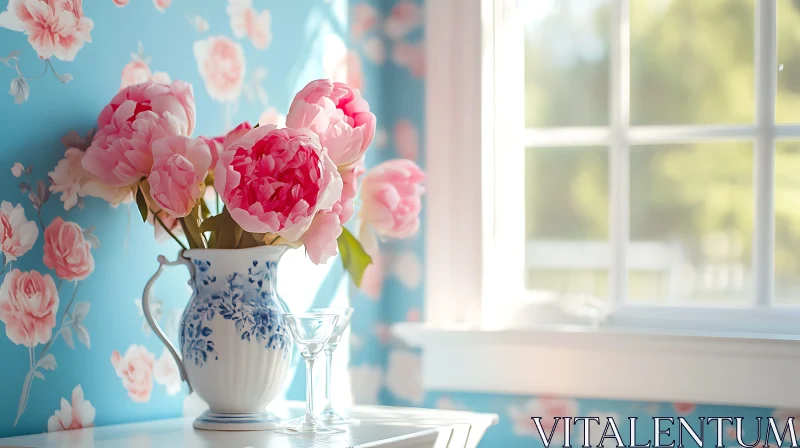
point(328, 387)
point(309, 390)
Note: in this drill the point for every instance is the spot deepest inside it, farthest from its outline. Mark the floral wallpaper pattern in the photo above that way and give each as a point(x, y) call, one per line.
point(77, 350)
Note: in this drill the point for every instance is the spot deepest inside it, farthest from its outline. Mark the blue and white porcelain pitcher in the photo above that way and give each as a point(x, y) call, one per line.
point(234, 348)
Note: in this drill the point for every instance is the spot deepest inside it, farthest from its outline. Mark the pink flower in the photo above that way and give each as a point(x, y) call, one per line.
point(684, 408)
point(411, 56)
point(276, 180)
point(161, 5)
point(136, 371)
point(166, 373)
point(54, 27)
point(364, 19)
point(76, 415)
point(320, 238)
point(28, 306)
point(338, 115)
point(222, 67)
point(17, 234)
point(121, 152)
point(179, 169)
point(17, 169)
point(391, 196)
point(404, 17)
point(137, 72)
point(218, 144)
point(67, 251)
point(344, 206)
point(72, 181)
point(406, 139)
point(246, 21)
point(120, 3)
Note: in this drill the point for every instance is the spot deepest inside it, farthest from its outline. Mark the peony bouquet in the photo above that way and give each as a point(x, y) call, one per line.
point(259, 185)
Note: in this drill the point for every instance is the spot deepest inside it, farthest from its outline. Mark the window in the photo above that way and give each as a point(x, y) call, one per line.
point(657, 153)
point(639, 155)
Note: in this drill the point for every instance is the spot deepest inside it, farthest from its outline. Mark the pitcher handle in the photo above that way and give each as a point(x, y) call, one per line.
point(162, 261)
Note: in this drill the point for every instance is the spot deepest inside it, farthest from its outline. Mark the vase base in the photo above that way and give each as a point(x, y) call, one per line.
point(256, 421)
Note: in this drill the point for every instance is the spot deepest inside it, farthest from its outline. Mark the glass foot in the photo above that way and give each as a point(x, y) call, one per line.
point(331, 417)
point(308, 426)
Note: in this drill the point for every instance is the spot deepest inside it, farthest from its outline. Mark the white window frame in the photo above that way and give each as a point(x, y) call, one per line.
point(475, 255)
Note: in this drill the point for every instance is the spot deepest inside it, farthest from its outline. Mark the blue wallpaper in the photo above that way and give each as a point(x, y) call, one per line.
point(78, 374)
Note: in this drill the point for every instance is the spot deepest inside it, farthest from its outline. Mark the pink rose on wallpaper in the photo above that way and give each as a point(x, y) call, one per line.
point(411, 56)
point(320, 238)
point(166, 373)
point(137, 72)
point(120, 3)
point(17, 234)
point(781, 417)
point(161, 5)
point(349, 70)
point(73, 415)
point(404, 17)
point(72, 181)
point(17, 169)
point(391, 195)
point(276, 180)
point(364, 18)
point(404, 375)
point(271, 116)
point(222, 66)
point(406, 139)
point(684, 408)
point(179, 169)
point(54, 27)
point(121, 153)
point(548, 408)
point(136, 371)
point(28, 307)
point(375, 50)
point(246, 21)
point(67, 251)
point(338, 115)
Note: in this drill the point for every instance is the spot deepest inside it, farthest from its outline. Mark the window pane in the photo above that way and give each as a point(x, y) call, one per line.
point(691, 223)
point(566, 62)
point(787, 222)
point(566, 221)
point(692, 61)
point(788, 101)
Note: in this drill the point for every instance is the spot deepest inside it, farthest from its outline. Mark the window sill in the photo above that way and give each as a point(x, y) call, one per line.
point(611, 363)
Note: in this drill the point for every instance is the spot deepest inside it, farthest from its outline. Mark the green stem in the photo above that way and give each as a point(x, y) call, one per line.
point(168, 231)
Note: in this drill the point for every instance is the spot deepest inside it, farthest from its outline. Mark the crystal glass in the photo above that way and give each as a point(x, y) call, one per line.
point(311, 332)
point(329, 414)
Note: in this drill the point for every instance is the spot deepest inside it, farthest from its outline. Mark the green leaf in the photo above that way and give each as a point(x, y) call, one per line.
point(142, 204)
point(214, 223)
point(354, 258)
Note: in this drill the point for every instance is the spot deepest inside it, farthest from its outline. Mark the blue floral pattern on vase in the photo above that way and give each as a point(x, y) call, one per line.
point(249, 301)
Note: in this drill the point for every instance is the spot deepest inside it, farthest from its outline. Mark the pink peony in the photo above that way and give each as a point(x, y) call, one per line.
point(54, 27)
point(72, 181)
point(136, 371)
point(320, 238)
point(218, 144)
point(344, 206)
point(76, 415)
point(67, 251)
point(391, 197)
point(338, 115)
point(28, 306)
point(179, 170)
point(166, 373)
point(17, 234)
point(222, 67)
point(121, 152)
point(276, 180)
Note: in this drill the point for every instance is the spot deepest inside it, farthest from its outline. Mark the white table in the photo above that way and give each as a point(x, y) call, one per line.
point(380, 426)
